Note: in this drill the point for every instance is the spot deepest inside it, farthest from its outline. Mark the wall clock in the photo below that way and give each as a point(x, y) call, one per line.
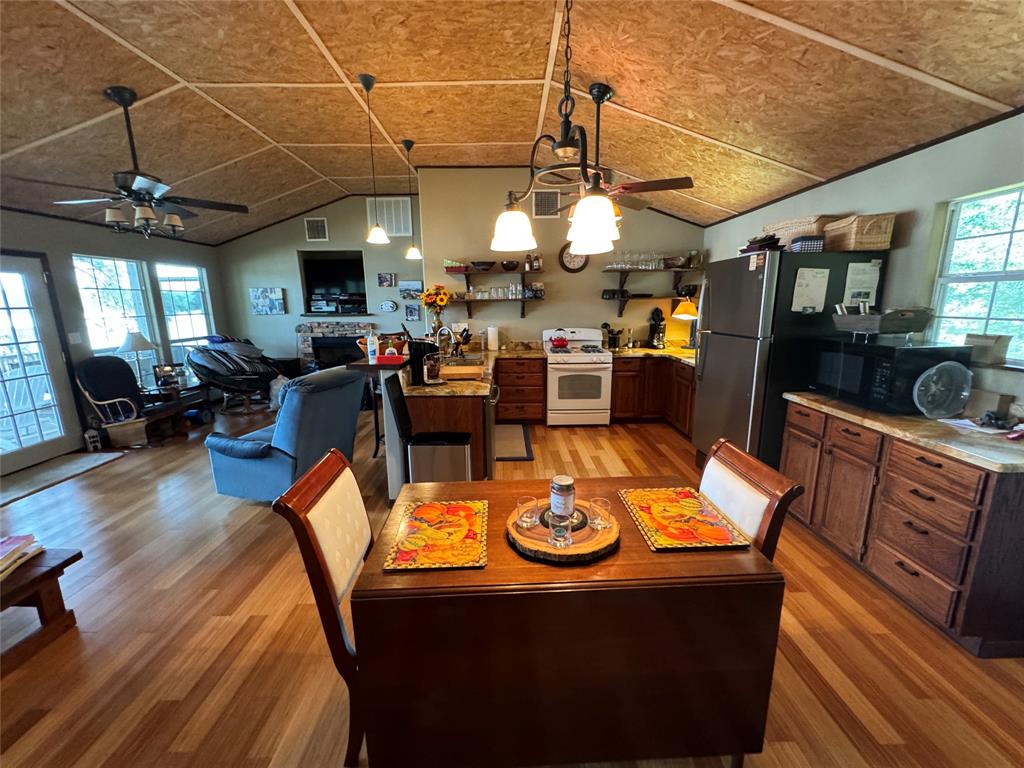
point(388, 306)
point(571, 262)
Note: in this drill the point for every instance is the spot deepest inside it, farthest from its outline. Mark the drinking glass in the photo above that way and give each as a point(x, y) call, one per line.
point(527, 507)
point(600, 514)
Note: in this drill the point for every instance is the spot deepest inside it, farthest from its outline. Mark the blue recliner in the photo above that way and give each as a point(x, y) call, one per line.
point(318, 412)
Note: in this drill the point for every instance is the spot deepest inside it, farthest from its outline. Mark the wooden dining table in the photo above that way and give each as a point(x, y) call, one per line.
point(639, 655)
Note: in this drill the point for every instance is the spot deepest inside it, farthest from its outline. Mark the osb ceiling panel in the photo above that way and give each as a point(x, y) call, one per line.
point(683, 207)
point(235, 224)
point(39, 197)
point(241, 41)
point(401, 41)
point(353, 161)
point(249, 180)
point(472, 155)
point(386, 185)
point(727, 75)
point(53, 69)
point(464, 113)
point(178, 135)
point(978, 45)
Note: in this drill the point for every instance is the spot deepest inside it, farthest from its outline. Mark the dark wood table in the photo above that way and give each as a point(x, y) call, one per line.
point(640, 655)
point(35, 584)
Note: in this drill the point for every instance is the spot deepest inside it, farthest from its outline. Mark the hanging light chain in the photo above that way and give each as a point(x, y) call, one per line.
point(567, 103)
point(373, 170)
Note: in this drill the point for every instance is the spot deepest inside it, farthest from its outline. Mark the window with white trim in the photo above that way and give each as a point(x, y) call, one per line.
point(186, 305)
point(980, 285)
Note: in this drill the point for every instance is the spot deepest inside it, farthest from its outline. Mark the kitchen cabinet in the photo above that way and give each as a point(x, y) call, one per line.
point(801, 455)
point(658, 380)
point(649, 388)
point(627, 388)
point(680, 398)
point(522, 385)
point(847, 484)
point(453, 414)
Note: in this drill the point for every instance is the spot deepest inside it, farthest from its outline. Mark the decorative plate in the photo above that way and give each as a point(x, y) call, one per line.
point(388, 306)
point(680, 518)
point(440, 534)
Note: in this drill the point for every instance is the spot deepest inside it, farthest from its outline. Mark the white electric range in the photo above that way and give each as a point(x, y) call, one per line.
point(579, 377)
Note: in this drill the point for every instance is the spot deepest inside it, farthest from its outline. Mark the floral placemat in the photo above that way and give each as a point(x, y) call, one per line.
point(440, 534)
point(680, 518)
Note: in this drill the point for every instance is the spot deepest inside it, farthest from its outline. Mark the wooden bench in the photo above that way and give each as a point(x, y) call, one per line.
point(35, 584)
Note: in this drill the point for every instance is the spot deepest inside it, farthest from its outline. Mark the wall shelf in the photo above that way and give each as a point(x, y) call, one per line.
point(495, 272)
point(680, 276)
point(470, 302)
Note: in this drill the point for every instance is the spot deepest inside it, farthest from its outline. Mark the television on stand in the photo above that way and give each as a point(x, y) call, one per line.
point(333, 282)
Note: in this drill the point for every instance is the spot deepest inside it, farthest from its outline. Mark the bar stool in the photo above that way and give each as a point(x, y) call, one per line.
point(429, 456)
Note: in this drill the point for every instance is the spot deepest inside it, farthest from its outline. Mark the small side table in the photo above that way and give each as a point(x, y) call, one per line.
point(35, 584)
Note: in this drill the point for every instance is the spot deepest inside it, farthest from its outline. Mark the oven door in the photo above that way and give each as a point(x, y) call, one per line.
point(581, 391)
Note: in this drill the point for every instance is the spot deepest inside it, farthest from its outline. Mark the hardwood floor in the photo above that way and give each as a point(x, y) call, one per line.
point(198, 642)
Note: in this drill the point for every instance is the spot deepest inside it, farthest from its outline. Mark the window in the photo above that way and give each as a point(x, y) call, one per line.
point(186, 306)
point(116, 303)
point(980, 288)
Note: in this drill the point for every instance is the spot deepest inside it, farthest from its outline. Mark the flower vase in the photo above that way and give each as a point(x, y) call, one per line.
point(437, 324)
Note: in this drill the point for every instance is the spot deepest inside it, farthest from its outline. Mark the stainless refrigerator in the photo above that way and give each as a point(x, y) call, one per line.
point(753, 345)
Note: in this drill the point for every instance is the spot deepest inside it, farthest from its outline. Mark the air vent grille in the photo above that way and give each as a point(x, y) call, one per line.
point(546, 203)
point(316, 230)
point(394, 213)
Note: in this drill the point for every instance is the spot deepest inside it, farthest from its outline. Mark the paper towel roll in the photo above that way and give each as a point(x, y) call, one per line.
point(492, 337)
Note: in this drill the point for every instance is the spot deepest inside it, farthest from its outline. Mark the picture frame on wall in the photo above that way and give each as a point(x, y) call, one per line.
point(266, 301)
point(387, 280)
point(410, 290)
point(412, 312)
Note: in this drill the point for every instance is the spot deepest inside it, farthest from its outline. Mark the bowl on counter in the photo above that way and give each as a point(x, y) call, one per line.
point(483, 266)
point(510, 265)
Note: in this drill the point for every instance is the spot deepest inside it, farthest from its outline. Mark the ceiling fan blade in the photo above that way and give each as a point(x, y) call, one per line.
point(92, 201)
point(631, 202)
point(212, 205)
point(146, 184)
point(63, 184)
point(658, 185)
point(166, 207)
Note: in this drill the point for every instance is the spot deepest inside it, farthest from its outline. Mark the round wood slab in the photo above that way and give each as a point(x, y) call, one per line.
point(587, 544)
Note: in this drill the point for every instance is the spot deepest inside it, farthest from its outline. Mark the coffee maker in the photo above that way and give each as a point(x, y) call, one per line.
point(656, 329)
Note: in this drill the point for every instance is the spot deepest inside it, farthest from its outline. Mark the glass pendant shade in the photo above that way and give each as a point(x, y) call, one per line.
point(413, 254)
point(593, 219)
point(377, 235)
point(589, 246)
point(512, 231)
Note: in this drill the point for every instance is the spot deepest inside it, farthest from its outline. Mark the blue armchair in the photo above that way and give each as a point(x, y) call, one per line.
point(318, 412)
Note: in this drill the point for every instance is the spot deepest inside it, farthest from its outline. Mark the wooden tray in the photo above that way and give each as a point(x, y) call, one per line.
point(588, 544)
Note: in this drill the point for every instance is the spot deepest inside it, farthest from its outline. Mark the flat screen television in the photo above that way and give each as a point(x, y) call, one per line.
point(333, 282)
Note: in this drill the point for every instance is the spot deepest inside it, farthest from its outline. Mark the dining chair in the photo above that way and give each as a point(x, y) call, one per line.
point(752, 494)
point(327, 515)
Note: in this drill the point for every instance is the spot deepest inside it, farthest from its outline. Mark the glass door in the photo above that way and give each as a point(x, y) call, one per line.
point(38, 420)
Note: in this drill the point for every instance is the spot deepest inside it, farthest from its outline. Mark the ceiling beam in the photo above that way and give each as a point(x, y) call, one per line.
point(864, 54)
point(549, 69)
point(396, 84)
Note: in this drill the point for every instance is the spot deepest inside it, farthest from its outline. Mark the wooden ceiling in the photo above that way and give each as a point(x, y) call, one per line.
point(257, 101)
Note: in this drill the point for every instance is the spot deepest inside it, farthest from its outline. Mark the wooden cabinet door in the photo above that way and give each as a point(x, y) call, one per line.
point(657, 382)
point(846, 484)
point(801, 455)
point(627, 392)
point(684, 404)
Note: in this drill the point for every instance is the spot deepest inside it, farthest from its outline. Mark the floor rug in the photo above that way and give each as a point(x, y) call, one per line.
point(25, 482)
point(512, 443)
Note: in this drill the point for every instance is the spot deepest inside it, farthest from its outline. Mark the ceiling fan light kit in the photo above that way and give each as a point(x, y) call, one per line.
point(593, 224)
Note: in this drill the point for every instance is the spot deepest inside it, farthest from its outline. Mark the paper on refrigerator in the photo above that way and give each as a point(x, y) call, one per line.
point(862, 282)
point(809, 290)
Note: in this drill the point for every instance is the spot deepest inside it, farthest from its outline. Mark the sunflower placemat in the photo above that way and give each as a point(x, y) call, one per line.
point(680, 518)
point(440, 534)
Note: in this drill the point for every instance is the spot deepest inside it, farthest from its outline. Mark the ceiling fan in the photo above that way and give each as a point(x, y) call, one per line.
point(144, 191)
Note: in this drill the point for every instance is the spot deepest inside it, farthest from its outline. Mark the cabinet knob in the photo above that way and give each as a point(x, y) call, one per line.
point(921, 495)
point(915, 528)
point(928, 463)
point(827, 451)
point(814, 443)
point(906, 568)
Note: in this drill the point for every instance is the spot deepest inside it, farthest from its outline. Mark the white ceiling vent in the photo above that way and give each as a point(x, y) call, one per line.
point(316, 230)
point(546, 203)
point(392, 213)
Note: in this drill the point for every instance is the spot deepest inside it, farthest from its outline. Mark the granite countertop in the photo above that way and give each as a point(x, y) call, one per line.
point(992, 452)
point(682, 354)
point(461, 388)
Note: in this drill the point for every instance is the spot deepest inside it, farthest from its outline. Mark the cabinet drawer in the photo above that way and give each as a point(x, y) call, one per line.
point(806, 419)
point(931, 505)
point(525, 365)
point(929, 546)
point(937, 472)
point(853, 438)
point(515, 379)
point(521, 395)
point(683, 371)
point(629, 364)
point(519, 411)
point(912, 581)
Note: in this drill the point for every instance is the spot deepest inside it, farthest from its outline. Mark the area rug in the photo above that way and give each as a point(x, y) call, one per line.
point(512, 443)
point(25, 482)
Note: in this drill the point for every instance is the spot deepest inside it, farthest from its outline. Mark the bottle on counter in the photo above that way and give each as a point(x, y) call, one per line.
point(563, 504)
point(372, 345)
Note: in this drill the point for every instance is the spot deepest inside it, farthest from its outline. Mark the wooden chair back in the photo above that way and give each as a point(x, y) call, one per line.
point(327, 515)
point(752, 494)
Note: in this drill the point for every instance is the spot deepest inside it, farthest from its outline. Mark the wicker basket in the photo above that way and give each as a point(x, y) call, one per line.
point(124, 434)
point(808, 225)
point(860, 233)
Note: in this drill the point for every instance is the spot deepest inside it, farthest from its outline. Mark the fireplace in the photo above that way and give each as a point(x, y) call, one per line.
point(332, 351)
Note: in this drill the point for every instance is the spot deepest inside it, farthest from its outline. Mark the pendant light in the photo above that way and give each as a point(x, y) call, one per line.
point(376, 235)
point(413, 254)
point(512, 230)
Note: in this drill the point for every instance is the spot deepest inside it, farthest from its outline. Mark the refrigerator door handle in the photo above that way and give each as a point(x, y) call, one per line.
point(700, 361)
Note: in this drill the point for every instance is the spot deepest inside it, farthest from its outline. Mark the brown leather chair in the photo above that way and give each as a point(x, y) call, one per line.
point(327, 515)
point(753, 495)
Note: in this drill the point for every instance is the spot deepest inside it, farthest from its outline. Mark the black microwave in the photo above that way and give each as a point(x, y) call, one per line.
point(878, 375)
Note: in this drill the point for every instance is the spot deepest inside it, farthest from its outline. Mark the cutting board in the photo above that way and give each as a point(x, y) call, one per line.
point(462, 372)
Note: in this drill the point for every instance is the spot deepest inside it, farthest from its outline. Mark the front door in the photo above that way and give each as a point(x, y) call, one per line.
point(38, 420)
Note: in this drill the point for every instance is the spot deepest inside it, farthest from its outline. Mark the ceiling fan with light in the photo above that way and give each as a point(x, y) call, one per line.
point(594, 217)
point(143, 191)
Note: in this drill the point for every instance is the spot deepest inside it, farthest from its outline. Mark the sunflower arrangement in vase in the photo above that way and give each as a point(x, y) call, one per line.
point(435, 299)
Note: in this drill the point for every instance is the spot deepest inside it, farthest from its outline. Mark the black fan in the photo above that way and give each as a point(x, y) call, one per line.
point(140, 189)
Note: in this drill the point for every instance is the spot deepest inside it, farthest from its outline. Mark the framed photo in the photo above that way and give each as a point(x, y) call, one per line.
point(412, 312)
point(410, 290)
point(266, 301)
point(387, 280)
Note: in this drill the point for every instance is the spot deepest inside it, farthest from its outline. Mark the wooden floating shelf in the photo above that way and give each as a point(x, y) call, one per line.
point(664, 269)
point(470, 302)
point(334, 314)
point(679, 279)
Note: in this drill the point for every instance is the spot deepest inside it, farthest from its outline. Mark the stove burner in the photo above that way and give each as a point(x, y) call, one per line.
point(558, 350)
point(591, 349)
